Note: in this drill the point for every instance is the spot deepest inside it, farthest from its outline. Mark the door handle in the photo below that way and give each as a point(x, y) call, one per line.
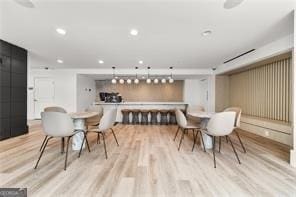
point(35, 100)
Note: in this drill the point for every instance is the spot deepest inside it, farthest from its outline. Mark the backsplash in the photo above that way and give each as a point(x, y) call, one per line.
point(143, 92)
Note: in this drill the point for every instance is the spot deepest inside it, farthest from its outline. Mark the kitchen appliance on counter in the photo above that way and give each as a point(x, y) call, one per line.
point(113, 97)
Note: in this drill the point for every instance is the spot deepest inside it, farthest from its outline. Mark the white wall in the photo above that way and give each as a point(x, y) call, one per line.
point(86, 92)
point(70, 87)
point(65, 88)
point(193, 92)
point(198, 92)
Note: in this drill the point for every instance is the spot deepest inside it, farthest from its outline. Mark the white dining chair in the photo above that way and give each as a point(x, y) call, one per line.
point(95, 120)
point(238, 112)
point(57, 125)
point(55, 109)
point(184, 126)
point(106, 123)
point(221, 124)
point(194, 109)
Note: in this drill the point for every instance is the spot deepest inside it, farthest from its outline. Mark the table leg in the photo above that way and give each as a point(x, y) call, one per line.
point(79, 124)
point(207, 139)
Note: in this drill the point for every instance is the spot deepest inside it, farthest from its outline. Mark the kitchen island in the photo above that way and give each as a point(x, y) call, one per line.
point(140, 105)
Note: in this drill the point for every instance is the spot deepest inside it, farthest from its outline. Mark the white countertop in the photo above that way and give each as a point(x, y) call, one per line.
point(141, 103)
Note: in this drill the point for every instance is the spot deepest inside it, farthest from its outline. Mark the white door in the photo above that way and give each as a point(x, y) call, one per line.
point(43, 94)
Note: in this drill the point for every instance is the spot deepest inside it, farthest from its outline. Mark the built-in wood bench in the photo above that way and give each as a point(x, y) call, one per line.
point(272, 129)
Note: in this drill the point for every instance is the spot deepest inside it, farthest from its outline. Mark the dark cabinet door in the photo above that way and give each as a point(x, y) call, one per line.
point(4, 128)
point(5, 48)
point(4, 109)
point(19, 53)
point(18, 126)
point(4, 94)
point(4, 63)
point(13, 90)
point(18, 66)
point(4, 78)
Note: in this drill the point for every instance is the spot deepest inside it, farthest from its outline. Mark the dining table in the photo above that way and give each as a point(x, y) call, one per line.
point(79, 120)
point(204, 117)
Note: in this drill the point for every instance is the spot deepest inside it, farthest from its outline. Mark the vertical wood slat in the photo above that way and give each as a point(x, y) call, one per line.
point(264, 91)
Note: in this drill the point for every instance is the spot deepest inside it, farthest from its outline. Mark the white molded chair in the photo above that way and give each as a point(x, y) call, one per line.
point(184, 126)
point(55, 109)
point(106, 123)
point(221, 124)
point(95, 120)
point(57, 124)
point(238, 113)
point(193, 109)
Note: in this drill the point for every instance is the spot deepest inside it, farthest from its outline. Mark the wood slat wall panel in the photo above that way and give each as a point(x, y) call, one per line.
point(264, 91)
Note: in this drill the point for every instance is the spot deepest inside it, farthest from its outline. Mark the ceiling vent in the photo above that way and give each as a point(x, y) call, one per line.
point(245, 53)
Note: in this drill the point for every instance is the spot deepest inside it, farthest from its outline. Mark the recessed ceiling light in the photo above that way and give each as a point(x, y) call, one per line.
point(60, 61)
point(61, 31)
point(134, 32)
point(207, 32)
point(141, 62)
point(101, 62)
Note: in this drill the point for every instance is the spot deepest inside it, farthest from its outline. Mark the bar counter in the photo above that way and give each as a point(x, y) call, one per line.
point(140, 105)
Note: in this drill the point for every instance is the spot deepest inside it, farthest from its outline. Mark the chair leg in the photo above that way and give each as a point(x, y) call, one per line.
point(194, 139)
point(240, 141)
point(86, 140)
point(226, 137)
point(98, 139)
point(176, 133)
point(45, 138)
point(67, 148)
point(203, 144)
point(219, 144)
point(62, 145)
point(43, 148)
point(183, 132)
point(234, 150)
point(214, 144)
point(103, 135)
point(114, 136)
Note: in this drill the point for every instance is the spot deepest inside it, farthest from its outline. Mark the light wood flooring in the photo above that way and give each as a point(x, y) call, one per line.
point(147, 163)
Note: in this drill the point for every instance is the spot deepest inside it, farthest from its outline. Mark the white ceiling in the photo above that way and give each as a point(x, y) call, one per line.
point(169, 31)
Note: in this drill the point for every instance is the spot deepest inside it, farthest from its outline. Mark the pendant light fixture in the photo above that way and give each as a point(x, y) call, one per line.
point(136, 81)
point(171, 80)
point(155, 81)
point(114, 81)
point(148, 80)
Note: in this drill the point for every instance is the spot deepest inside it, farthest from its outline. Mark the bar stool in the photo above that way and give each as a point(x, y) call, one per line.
point(172, 117)
point(135, 116)
point(164, 116)
point(154, 113)
point(125, 116)
point(144, 116)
